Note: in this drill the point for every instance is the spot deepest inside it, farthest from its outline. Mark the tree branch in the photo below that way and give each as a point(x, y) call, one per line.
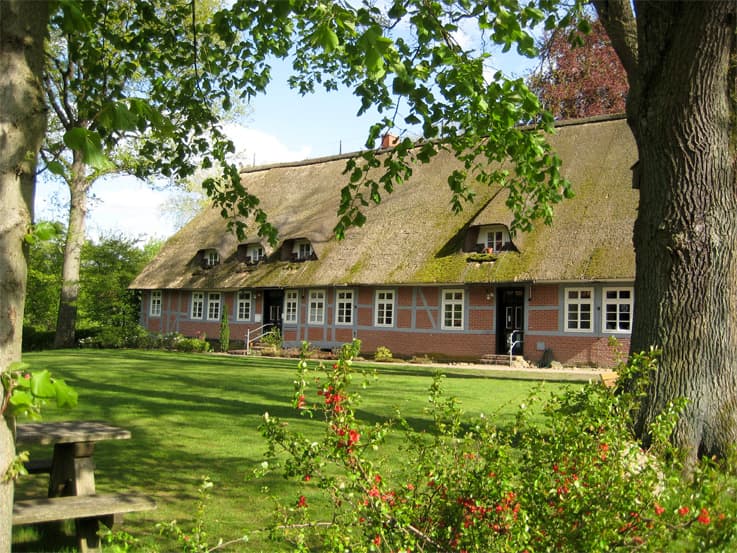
point(621, 26)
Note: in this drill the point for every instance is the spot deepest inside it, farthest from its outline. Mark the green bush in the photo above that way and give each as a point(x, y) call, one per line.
point(383, 353)
point(224, 330)
point(579, 483)
point(273, 338)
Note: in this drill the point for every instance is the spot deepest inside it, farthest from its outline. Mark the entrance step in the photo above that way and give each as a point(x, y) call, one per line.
point(502, 360)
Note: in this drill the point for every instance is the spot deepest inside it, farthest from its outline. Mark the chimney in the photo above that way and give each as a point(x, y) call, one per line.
point(389, 141)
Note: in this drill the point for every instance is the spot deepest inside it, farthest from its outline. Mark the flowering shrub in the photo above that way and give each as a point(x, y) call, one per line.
point(579, 483)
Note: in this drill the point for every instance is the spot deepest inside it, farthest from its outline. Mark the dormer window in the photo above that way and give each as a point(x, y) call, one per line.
point(210, 258)
point(251, 253)
point(302, 250)
point(493, 239)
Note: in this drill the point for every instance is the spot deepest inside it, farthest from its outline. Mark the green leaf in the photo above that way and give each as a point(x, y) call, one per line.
point(90, 144)
point(21, 400)
point(66, 396)
point(42, 386)
point(56, 168)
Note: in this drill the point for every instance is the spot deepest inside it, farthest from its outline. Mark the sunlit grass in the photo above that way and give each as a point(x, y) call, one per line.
point(196, 415)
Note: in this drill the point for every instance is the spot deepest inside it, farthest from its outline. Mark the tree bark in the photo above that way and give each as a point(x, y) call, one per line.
point(23, 27)
point(682, 114)
point(79, 186)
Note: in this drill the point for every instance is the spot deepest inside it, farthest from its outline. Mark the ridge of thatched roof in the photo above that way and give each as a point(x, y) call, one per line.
point(413, 237)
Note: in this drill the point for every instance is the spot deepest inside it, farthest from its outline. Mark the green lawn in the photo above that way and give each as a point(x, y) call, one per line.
point(195, 415)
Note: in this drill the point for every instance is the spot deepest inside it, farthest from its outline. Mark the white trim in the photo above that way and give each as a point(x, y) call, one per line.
point(451, 300)
point(244, 302)
point(154, 303)
point(214, 302)
point(583, 307)
point(316, 306)
point(344, 306)
point(291, 297)
point(198, 299)
point(386, 306)
point(622, 305)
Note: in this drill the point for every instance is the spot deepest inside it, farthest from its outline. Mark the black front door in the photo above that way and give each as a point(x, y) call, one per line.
point(273, 305)
point(510, 309)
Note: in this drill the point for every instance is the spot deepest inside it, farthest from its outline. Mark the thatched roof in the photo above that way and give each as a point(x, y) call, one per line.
point(413, 237)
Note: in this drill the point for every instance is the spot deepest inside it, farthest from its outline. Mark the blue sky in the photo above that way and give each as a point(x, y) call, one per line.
point(281, 126)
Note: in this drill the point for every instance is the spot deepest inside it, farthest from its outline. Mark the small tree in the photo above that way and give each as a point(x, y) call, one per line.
point(224, 330)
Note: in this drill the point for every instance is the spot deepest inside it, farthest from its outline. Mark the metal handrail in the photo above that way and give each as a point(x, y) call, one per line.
point(249, 340)
point(512, 343)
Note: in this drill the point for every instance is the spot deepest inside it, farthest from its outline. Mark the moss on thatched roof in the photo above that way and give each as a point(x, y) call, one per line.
point(413, 237)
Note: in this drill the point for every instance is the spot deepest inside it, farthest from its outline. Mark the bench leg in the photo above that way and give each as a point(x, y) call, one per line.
point(87, 539)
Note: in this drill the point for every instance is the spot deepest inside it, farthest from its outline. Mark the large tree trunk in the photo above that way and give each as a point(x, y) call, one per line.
point(67, 319)
point(682, 115)
point(23, 26)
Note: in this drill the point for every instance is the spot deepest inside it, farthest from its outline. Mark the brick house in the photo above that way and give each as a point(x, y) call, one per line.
point(417, 278)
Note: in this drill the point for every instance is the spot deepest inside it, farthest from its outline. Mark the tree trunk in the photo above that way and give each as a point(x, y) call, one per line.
point(67, 319)
point(23, 27)
point(681, 114)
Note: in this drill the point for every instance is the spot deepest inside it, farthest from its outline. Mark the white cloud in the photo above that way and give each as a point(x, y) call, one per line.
point(253, 145)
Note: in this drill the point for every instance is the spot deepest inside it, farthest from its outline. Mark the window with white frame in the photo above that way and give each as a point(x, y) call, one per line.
point(617, 309)
point(304, 250)
point(344, 307)
point(154, 307)
point(210, 258)
point(243, 312)
point(493, 238)
point(197, 309)
point(213, 306)
point(579, 307)
point(384, 308)
point(452, 306)
point(291, 304)
point(316, 307)
point(255, 252)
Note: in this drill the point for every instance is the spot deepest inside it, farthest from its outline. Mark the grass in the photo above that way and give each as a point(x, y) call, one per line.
point(196, 415)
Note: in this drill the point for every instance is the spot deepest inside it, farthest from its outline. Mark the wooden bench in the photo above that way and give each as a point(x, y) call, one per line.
point(87, 510)
point(38, 466)
point(609, 378)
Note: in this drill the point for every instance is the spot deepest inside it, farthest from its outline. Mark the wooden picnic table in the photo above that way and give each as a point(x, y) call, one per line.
point(71, 491)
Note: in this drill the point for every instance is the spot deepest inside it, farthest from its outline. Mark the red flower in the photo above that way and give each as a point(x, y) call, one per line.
point(683, 511)
point(301, 402)
point(307, 478)
point(377, 541)
point(302, 502)
point(659, 510)
point(703, 517)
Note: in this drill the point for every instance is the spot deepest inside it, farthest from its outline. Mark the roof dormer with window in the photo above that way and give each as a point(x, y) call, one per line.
point(251, 253)
point(209, 258)
point(298, 249)
point(485, 242)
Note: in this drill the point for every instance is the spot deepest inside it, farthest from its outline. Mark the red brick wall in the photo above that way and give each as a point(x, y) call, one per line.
point(477, 340)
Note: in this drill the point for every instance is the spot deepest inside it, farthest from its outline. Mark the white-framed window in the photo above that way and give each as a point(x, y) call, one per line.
point(291, 305)
point(213, 306)
point(154, 306)
point(618, 305)
point(316, 307)
point(493, 238)
point(344, 307)
point(211, 258)
point(255, 252)
point(384, 308)
point(302, 249)
point(243, 312)
point(197, 309)
point(579, 309)
point(452, 306)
